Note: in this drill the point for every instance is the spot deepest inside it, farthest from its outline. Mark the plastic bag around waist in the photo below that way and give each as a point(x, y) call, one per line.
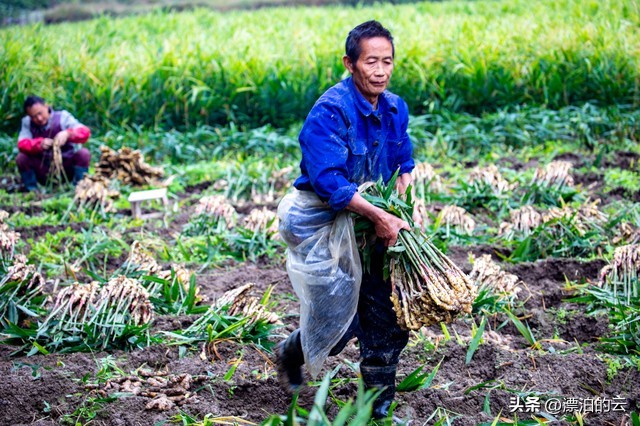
point(324, 267)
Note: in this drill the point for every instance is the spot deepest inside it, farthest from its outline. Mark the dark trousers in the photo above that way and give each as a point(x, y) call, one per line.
point(375, 325)
point(37, 163)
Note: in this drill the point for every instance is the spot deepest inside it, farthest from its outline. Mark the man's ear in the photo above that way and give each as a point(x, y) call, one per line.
point(346, 60)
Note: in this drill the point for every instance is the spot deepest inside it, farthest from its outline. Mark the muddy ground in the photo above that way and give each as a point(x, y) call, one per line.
point(52, 389)
point(45, 390)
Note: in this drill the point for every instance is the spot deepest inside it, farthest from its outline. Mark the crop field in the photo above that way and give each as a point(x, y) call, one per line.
point(178, 70)
point(528, 178)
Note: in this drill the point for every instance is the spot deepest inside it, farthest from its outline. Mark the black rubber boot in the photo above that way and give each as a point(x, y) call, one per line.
point(29, 180)
point(78, 174)
point(384, 378)
point(289, 362)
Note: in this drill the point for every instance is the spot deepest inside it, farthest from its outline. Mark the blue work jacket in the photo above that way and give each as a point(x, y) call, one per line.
point(345, 142)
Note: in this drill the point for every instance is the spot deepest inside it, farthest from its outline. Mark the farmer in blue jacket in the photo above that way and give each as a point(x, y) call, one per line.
point(356, 132)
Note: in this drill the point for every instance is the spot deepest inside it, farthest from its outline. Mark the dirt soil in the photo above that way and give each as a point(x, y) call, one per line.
point(52, 389)
point(46, 390)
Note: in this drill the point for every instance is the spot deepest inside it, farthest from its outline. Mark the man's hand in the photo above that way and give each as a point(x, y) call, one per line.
point(46, 144)
point(61, 138)
point(387, 226)
point(402, 183)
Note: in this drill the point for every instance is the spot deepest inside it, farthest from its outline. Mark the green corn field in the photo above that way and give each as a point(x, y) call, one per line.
point(170, 70)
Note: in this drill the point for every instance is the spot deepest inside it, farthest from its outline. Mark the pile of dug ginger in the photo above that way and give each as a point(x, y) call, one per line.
point(125, 165)
point(427, 287)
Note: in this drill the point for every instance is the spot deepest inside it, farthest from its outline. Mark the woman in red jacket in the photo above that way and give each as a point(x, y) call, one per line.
point(43, 128)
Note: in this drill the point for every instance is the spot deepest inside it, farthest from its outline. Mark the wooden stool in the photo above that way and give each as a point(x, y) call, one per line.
point(136, 198)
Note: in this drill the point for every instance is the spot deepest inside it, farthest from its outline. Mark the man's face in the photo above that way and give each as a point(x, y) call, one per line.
point(39, 114)
point(372, 71)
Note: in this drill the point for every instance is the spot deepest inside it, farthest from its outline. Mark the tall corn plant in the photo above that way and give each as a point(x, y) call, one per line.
point(178, 70)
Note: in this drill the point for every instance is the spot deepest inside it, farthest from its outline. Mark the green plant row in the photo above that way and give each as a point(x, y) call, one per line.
point(441, 131)
point(523, 126)
point(176, 70)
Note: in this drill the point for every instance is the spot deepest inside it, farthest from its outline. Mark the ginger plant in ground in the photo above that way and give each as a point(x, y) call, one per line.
point(233, 316)
point(618, 295)
point(213, 215)
point(621, 275)
point(491, 177)
point(94, 192)
point(457, 219)
point(523, 221)
point(425, 180)
point(262, 220)
point(483, 188)
point(21, 286)
point(551, 185)
point(257, 236)
point(91, 316)
point(555, 174)
point(21, 291)
point(496, 288)
point(8, 238)
point(564, 231)
point(171, 290)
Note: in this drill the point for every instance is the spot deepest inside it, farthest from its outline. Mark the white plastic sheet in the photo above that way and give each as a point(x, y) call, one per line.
point(324, 267)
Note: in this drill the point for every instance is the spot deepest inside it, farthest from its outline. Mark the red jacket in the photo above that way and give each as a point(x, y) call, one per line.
point(33, 146)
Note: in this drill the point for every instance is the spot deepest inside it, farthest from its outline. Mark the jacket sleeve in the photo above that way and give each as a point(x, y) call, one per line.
point(26, 142)
point(78, 132)
point(323, 141)
point(404, 155)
